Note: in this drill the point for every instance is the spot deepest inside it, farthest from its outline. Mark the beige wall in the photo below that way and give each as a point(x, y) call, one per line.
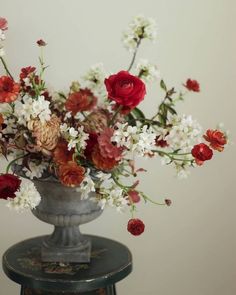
point(189, 248)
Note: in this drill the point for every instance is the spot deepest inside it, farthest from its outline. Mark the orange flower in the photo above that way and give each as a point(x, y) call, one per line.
point(61, 155)
point(9, 90)
point(216, 138)
point(71, 174)
point(80, 101)
point(101, 162)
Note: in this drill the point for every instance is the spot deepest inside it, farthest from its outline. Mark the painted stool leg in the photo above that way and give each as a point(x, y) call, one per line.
point(111, 290)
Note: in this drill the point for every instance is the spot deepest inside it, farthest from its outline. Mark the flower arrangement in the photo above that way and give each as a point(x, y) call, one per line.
point(89, 137)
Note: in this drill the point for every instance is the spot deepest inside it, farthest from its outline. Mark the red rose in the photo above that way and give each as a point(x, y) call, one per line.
point(9, 90)
point(135, 227)
point(3, 24)
point(9, 184)
point(201, 152)
point(125, 89)
point(192, 85)
point(216, 138)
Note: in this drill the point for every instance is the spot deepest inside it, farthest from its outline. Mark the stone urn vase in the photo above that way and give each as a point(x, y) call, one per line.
point(63, 207)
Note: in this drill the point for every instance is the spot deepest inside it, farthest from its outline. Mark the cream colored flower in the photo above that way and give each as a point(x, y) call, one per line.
point(46, 134)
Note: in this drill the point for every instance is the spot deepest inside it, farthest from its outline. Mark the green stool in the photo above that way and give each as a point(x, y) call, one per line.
point(110, 263)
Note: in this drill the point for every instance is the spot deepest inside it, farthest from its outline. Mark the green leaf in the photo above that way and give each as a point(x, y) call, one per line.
point(163, 85)
point(138, 113)
point(131, 120)
point(170, 109)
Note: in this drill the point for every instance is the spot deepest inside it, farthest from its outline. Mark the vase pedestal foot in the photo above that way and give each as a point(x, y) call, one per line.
point(65, 245)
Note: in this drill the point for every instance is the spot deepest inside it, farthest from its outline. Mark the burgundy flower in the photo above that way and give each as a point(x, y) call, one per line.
point(216, 138)
point(125, 89)
point(9, 184)
point(41, 43)
point(25, 72)
point(90, 144)
point(168, 202)
point(201, 152)
point(135, 227)
point(192, 85)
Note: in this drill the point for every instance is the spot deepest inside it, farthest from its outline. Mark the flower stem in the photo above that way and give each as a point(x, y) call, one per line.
point(134, 55)
point(146, 198)
point(13, 161)
point(5, 67)
point(115, 115)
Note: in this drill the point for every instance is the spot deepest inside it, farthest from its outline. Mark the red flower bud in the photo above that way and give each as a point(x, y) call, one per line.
point(192, 85)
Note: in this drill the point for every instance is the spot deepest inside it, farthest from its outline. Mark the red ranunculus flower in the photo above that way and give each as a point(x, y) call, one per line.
point(216, 138)
point(201, 152)
point(3, 24)
point(9, 90)
point(9, 184)
point(125, 89)
point(135, 227)
point(80, 101)
point(192, 85)
point(71, 174)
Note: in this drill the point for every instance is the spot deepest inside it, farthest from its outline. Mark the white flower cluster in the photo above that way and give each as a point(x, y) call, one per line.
point(110, 194)
point(87, 186)
point(140, 28)
point(29, 109)
point(76, 138)
point(184, 133)
point(27, 198)
point(2, 38)
point(94, 79)
point(147, 71)
point(140, 141)
point(36, 171)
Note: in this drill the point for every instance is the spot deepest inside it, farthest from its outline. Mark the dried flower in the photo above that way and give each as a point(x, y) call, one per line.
point(97, 121)
point(46, 134)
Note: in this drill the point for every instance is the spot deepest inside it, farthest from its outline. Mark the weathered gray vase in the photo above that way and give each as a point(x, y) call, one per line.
point(62, 207)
